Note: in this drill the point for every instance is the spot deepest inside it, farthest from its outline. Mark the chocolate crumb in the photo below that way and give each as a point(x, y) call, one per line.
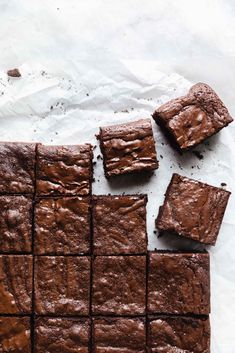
point(223, 184)
point(14, 73)
point(161, 156)
point(198, 154)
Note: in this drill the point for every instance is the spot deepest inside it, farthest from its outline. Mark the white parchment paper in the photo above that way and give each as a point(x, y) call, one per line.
point(85, 64)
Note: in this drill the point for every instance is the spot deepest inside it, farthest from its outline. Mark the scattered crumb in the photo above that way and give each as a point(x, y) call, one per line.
point(198, 154)
point(223, 184)
point(94, 163)
point(162, 143)
point(14, 73)
point(155, 232)
point(125, 111)
point(87, 94)
point(51, 107)
point(2, 93)
point(94, 147)
point(99, 156)
point(161, 156)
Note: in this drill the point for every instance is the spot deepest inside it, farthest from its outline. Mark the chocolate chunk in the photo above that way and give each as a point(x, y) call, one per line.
point(15, 335)
point(14, 73)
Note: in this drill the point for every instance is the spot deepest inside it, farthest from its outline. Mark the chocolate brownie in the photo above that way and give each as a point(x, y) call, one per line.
point(64, 170)
point(17, 165)
point(62, 285)
point(128, 148)
point(15, 224)
point(16, 284)
point(119, 224)
point(62, 226)
point(192, 209)
point(119, 285)
point(115, 335)
point(179, 283)
point(191, 119)
point(179, 334)
point(15, 335)
point(57, 335)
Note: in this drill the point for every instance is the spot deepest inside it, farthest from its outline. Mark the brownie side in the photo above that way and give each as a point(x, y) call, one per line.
point(15, 334)
point(128, 148)
point(64, 170)
point(191, 119)
point(17, 166)
point(193, 209)
point(114, 335)
point(62, 285)
point(119, 224)
point(57, 335)
point(179, 334)
point(62, 226)
point(16, 284)
point(179, 283)
point(119, 285)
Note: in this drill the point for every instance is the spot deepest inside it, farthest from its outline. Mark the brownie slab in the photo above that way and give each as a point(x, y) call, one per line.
point(179, 334)
point(119, 224)
point(115, 335)
point(62, 285)
point(64, 170)
point(15, 335)
point(17, 165)
point(191, 119)
point(179, 283)
point(16, 284)
point(56, 335)
point(15, 224)
point(119, 285)
point(128, 148)
point(62, 226)
point(192, 209)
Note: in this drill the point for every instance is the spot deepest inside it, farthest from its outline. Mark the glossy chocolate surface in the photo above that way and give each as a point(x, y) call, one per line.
point(193, 118)
point(119, 224)
point(15, 335)
point(62, 285)
point(62, 226)
point(179, 334)
point(128, 148)
point(15, 284)
point(179, 283)
point(193, 209)
point(64, 170)
point(115, 335)
point(119, 284)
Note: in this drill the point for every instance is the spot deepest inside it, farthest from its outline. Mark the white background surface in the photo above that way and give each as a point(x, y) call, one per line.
point(84, 62)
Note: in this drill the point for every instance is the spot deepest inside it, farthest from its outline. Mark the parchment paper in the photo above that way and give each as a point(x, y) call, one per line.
point(93, 63)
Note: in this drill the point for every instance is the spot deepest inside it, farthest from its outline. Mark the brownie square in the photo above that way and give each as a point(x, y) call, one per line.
point(128, 148)
point(179, 334)
point(16, 284)
point(64, 170)
point(119, 224)
point(67, 335)
point(15, 335)
point(15, 224)
point(115, 335)
point(191, 119)
point(62, 226)
point(17, 165)
point(119, 285)
point(62, 285)
point(179, 283)
point(192, 209)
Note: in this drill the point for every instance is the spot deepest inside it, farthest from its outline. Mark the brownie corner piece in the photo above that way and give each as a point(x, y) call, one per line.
point(191, 119)
point(64, 170)
point(15, 334)
point(128, 148)
point(17, 167)
point(179, 283)
point(193, 209)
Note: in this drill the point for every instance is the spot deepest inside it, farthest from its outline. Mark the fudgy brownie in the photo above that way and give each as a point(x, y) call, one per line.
point(179, 283)
point(15, 224)
point(179, 334)
point(57, 335)
point(62, 226)
point(192, 209)
point(64, 170)
point(191, 119)
point(17, 166)
point(119, 224)
point(128, 148)
point(15, 334)
point(114, 335)
point(16, 284)
point(119, 285)
point(62, 285)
